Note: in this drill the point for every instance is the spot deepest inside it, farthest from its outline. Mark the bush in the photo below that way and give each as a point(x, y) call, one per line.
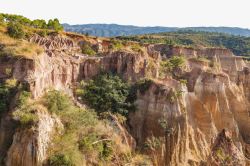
point(91, 142)
point(60, 160)
point(15, 30)
point(107, 93)
point(136, 47)
point(165, 67)
point(7, 91)
point(57, 102)
point(86, 49)
point(23, 97)
point(86, 143)
point(115, 45)
point(177, 61)
point(26, 116)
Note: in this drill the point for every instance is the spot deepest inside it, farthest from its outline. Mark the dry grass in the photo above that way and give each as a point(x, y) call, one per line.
point(14, 47)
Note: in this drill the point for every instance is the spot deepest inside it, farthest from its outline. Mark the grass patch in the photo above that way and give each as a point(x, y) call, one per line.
point(17, 47)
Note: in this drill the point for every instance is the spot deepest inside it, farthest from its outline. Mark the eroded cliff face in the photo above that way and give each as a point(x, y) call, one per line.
point(184, 120)
point(29, 146)
point(213, 101)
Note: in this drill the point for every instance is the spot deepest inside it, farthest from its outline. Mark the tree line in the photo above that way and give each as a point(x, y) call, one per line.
point(52, 24)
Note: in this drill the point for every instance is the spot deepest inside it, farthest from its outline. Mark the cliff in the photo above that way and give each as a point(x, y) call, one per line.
point(188, 120)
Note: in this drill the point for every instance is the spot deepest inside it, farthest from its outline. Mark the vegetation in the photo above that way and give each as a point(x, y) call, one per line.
point(19, 48)
point(7, 90)
point(111, 30)
point(14, 29)
point(116, 45)
point(60, 160)
point(136, 47)
point(38, 23)
point(86, 139)
point(168, 65)
point(11, 45)
point(25, 108)
point(107, 93)
point(55, 25)
point(238, 44)
point(87, 49)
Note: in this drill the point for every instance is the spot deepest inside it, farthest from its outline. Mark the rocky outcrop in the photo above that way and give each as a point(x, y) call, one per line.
point(131, 66)
point(29, 146)
point(224, 151)
point(181, 124)
point(194, 118)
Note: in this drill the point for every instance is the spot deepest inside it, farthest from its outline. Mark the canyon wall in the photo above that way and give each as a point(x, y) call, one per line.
point(190, 121)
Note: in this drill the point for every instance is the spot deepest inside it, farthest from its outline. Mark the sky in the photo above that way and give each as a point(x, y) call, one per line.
point(170, 13)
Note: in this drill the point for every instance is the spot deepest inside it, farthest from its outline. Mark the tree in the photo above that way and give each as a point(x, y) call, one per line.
point(1, 18)
point(107, 93)
point(39, 24)
point(55, 25)
point(15, 30)
point(87, 49)
point(177, 61)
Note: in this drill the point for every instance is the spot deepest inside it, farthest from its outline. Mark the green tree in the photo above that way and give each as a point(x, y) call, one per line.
point(15, 30)
point(177, 61)
point(107, 93)
point(17, 18)
point(55, 25)
point(87, 49)
point(57, 101)
point(39, 24)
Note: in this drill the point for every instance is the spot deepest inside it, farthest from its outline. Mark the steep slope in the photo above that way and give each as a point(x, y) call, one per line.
point(176, 122)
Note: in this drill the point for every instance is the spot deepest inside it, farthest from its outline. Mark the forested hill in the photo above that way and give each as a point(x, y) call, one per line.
point(239, 45)
point(111, 30)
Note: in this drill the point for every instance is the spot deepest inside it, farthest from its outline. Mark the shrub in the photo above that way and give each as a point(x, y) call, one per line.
point(7, 91)
point(136, 47)
point(86, 143)
point(23, 97)
point(26, 116)
point(15, 30)
point(8, 71)
point(177, 61)
point(115, 45)
point(183, 81)
point(165, 67)
point(107, 93)
point(57, 101)
point(60, 160)
point(86, 49)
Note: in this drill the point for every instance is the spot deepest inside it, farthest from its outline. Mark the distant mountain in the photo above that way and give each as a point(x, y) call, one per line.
point(111, 30)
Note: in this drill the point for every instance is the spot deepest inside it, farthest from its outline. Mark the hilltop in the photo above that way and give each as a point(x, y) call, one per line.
point(112, 30)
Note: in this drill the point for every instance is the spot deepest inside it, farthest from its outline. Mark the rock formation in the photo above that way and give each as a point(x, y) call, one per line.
point(189, 121)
